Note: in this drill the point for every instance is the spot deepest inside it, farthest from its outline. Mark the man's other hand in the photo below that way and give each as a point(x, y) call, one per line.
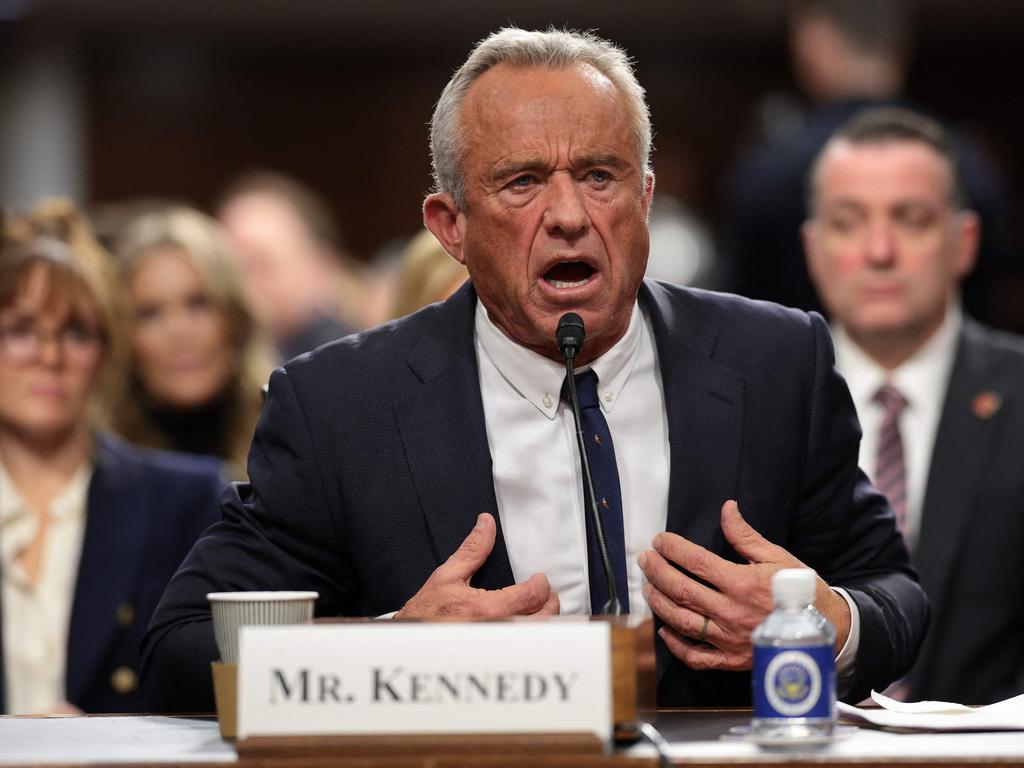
point(738, 600)
point(447, 591)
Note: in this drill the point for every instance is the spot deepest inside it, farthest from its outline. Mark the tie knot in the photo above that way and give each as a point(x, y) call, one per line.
point(890, 398)
point(586, 389)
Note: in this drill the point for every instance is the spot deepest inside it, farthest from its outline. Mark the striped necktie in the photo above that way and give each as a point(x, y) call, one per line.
point(890, 466)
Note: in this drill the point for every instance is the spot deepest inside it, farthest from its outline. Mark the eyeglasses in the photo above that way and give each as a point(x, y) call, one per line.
point(22, 343)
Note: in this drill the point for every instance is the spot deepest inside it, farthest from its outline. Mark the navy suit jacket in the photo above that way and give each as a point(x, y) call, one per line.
point(144, 511)
point(968, 552)
point(370, 465)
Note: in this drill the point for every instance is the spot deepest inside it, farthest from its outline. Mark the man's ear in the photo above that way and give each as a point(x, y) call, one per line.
point(968, 236)
point(809, 238)
point(648, 193)
point(442, 216)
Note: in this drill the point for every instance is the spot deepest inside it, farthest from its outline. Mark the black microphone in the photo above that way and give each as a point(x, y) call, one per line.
point(570, 335)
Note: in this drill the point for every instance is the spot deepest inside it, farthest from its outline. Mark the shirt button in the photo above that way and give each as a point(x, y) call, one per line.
point(547, 401)
point(609, 396)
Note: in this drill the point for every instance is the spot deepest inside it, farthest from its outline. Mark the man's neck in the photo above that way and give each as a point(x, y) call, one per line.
point(891, 349)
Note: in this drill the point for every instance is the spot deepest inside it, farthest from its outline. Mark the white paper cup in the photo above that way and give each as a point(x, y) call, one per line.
point(234, 610)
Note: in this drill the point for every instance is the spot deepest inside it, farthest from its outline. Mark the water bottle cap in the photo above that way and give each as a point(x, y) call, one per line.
point(793, 587)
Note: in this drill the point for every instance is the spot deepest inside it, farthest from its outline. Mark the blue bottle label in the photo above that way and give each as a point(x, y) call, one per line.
point(794, 681)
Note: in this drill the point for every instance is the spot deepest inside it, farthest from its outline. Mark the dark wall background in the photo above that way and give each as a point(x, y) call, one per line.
point(339, 93)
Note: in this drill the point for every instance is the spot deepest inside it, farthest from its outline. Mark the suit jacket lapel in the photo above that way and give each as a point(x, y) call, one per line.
point(704, 405)
point(115, 529)
point(445, 437)
point(957, 459)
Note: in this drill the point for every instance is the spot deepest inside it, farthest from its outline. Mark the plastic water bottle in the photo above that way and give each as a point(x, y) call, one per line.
point(794, 676)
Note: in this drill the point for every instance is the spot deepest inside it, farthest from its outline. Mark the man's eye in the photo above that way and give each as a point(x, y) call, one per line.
point(599, 176)
point(842, 223)
point(916, 218)
point(523, 182)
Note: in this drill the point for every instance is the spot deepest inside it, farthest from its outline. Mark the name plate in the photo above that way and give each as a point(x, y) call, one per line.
point(447, 678)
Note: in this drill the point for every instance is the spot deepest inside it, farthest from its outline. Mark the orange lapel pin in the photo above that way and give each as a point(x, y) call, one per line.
point(985, 404)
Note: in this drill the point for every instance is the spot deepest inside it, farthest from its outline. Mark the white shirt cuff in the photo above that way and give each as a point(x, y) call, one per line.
point(847, 657)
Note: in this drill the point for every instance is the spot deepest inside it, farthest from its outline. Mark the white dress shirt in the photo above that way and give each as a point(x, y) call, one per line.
point(36, 617)
point(537, 476)
point(923, 381)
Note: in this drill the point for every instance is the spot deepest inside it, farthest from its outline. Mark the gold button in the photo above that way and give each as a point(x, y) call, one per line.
point(124, 680)
point(125, 615)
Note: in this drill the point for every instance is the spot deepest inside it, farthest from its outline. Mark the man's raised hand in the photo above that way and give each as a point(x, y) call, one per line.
point(709, 627)
point(447, 592)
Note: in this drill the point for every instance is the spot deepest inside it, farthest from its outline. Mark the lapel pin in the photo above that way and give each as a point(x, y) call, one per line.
point(985, 404)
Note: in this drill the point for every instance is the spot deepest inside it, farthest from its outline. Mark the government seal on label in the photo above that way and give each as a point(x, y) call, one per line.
point(792, 683)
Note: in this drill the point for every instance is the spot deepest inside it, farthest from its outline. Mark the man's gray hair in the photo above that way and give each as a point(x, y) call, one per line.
point(552, 49)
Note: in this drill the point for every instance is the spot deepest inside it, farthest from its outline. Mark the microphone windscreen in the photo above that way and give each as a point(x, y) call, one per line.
point(570, 332)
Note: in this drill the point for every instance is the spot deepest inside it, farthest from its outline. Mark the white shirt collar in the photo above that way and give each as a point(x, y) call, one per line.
point(539, 379)
point(916, 378)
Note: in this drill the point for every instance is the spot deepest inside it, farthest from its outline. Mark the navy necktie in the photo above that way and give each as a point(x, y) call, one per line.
point(605, 475)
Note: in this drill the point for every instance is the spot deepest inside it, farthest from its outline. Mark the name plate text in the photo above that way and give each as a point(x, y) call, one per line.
point(448, 678)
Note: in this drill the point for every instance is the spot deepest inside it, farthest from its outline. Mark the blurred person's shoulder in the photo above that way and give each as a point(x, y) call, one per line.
point(424, 342)
point(1006, 346)
point(125, 461)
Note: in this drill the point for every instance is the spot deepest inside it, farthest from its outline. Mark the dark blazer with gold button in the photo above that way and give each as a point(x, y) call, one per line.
point(968, 553)
point(144, 511)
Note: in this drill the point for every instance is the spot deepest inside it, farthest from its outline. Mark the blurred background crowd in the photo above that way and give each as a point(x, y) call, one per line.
point(194, 192)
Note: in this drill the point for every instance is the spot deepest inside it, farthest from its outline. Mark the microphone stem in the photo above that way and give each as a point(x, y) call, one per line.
point(613, 607)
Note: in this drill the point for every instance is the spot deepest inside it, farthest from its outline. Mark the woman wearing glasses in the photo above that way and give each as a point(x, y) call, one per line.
point(90, 528)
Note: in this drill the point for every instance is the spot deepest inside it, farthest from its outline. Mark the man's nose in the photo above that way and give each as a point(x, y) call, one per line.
point(565, 214)
point(881, 246)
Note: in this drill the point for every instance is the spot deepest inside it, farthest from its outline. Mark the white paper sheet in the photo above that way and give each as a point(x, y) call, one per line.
point(1005, 715)
point(70, 740)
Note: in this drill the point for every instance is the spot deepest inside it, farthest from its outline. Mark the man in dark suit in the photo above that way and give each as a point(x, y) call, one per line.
point(427, 467)
point(847, 55)
point(888, 243)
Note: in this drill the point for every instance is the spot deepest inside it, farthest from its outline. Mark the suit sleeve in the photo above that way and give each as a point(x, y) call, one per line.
point(846, 530)
point(276, 533)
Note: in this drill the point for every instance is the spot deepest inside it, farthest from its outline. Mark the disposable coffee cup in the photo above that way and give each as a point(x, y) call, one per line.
point(234, 610)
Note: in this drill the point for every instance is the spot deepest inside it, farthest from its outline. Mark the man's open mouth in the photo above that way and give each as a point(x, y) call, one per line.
point(569, 274)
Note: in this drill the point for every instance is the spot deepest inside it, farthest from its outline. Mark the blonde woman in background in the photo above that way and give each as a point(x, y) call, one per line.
point(198, 361)
point(425, 274)
point(91, 529)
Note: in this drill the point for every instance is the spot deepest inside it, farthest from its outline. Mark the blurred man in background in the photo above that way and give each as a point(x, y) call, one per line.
point(939, 395)
point(847, 55)
point(297, 280)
